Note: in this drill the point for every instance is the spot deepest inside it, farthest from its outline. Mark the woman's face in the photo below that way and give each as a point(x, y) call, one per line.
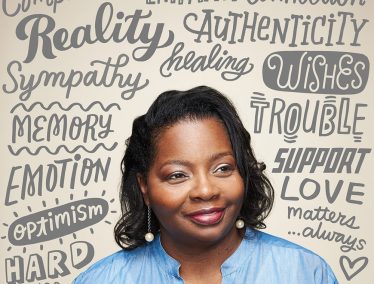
point(193, 186)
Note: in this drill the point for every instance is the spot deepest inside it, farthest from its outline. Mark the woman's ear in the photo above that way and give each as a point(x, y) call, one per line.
point(143, 188)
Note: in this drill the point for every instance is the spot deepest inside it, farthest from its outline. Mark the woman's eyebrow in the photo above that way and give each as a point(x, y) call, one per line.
point(212, 158)
point(217, 156)
point(177, 162)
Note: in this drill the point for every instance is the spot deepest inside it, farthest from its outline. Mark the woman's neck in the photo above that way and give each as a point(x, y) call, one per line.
point(202, 261)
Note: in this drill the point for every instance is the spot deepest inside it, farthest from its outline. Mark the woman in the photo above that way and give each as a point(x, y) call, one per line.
point(193, 196)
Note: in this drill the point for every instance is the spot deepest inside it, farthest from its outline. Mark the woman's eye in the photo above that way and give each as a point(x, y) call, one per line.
point(175, 177)
point(224, 170)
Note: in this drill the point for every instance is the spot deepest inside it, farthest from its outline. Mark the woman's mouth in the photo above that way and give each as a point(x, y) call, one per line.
point(207, 217)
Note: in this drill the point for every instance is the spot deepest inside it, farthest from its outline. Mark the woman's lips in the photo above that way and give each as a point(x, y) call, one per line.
point(207, 217)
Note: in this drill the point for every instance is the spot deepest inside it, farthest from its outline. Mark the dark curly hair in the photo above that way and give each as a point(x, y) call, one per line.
point(169, 108)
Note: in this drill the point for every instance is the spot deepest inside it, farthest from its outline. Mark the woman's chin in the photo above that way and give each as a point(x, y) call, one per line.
point(211, 235)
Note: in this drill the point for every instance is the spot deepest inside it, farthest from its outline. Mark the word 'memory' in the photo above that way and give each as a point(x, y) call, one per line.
point(30, 181)
point(327, 160)
point(54, 264)
point(60, 127)
point(103, 74)
point(327, 30)
point(324, 118)
point(41, 32)
point(310, 189)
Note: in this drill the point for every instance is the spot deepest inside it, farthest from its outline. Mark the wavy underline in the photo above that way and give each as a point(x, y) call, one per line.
point(67, 108)
point(36, 152)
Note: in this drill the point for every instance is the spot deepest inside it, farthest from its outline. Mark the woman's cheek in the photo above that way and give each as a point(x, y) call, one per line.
point(169, 198)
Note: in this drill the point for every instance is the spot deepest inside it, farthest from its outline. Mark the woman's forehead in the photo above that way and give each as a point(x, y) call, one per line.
point(189, 139)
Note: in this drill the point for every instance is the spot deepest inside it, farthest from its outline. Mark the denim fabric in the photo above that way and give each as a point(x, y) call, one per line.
point(260, 259)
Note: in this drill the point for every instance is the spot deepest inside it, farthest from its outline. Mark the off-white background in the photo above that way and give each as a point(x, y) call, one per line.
point(73, 13)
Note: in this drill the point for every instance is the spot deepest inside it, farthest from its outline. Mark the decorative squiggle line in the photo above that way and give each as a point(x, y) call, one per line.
point(16, 153)
point(65, 109)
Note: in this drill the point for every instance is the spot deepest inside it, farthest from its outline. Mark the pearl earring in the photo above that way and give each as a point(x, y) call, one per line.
point(149, 236)
point(239, 224)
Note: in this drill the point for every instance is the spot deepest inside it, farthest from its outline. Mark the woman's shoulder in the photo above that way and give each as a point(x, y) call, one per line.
point(111, 269)
point(289, 256)
point(273, 243)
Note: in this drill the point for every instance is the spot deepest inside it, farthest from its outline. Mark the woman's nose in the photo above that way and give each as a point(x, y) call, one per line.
point(204, 188)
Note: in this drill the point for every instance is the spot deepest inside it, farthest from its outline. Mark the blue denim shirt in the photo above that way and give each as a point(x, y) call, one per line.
point(260, 259)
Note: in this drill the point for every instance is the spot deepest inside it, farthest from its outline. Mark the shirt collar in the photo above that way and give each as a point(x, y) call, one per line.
point(237, 259)
point(170, 264)
point(241, 254)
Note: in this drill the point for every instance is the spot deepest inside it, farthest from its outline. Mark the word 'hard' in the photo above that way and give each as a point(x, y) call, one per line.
point(36, 268)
